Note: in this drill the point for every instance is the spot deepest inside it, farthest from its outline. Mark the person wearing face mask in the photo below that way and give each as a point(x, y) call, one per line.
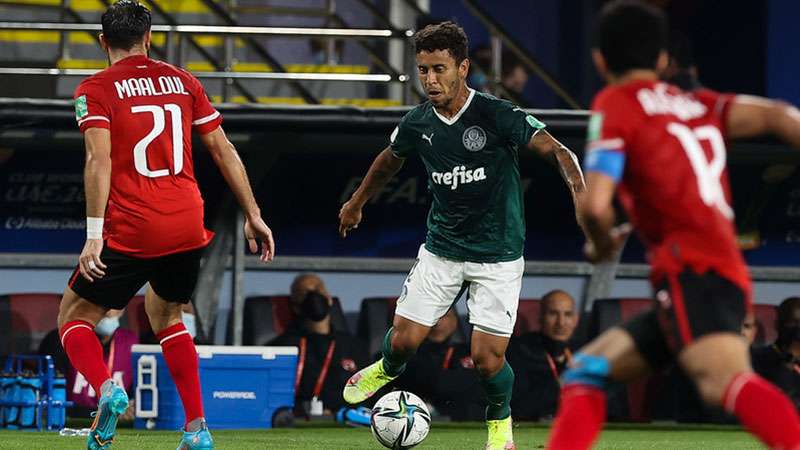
point(327, 357)
point(116, 343)
point(189, 321)
point(539, 358)
point(780, 362)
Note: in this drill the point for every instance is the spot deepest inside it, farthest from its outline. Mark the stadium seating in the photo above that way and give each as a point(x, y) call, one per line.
point(375, 317)
point(136, 316)
point(527, 316)
point(632, 402)
point(25, 319)
point(266, 317)
point(766, 315)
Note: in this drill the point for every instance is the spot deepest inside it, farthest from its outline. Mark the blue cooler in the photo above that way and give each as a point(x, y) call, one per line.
point(243, 387)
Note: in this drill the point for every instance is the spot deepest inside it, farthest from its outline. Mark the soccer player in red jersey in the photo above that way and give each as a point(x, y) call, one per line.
point(145, 212)
point(663, 152)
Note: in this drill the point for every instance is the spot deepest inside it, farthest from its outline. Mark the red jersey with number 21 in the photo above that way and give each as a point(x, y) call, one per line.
point(150, 107)
point(675, 185)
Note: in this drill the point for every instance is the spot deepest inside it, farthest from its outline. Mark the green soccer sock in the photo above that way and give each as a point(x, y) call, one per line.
point(498, 393)
point(394, 363)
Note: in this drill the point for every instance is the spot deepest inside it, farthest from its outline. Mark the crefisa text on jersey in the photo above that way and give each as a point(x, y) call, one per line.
point(145, 86)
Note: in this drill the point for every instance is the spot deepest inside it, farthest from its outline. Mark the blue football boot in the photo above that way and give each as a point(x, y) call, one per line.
point(197, 440)
point(113, 402)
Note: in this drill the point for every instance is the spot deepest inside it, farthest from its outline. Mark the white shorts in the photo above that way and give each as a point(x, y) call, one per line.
point(434, 284)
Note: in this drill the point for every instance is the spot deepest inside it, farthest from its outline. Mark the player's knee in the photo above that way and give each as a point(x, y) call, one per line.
point(488, 363)
point(588, 369)
point(711, 385)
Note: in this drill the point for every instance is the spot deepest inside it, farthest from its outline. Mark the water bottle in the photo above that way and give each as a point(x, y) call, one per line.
point(58, 412)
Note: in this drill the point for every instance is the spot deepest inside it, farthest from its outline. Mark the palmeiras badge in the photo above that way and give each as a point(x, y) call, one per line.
point(474, 138)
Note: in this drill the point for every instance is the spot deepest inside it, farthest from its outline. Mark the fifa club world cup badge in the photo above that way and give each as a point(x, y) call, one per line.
point(474, 138)
point(81, 110)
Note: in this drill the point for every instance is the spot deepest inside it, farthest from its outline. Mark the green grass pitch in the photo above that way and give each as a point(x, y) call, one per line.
point(443, 436)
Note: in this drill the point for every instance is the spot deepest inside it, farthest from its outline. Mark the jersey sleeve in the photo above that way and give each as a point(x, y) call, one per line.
point(609, 135)
point(515, 125)
point(91, 107)
point(718, 105)
point(401, 140)
point(205, 118)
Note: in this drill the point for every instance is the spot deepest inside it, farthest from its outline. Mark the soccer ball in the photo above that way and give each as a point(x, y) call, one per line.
point(400, 420)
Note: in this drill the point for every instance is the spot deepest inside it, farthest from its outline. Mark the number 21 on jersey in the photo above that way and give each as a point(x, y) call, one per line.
point(140, 149)
point(708, 173)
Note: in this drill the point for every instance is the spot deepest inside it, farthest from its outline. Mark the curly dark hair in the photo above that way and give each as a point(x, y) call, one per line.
point(125, 23)
point(442, 36)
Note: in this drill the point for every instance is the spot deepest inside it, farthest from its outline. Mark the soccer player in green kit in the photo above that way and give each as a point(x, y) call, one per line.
point(470, 144)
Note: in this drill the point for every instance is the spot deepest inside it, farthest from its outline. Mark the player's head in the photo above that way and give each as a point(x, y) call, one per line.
point(558, 318)
point(442, 62)
point(629, 35)
point(126, 24)
point(309, 298)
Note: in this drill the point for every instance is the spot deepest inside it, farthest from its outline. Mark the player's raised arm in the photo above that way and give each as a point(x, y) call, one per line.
point(227, 159)
point(385, 166)
point(750, 116)
point(549, 147)
point(97, 182)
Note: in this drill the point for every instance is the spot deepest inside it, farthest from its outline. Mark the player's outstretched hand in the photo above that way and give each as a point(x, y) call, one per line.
point(349, 217)
point(89, 262)
point(605, 251)
point(255, 229)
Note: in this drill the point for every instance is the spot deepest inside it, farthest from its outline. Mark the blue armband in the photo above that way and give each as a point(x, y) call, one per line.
point(608, 162)
point(588, 369)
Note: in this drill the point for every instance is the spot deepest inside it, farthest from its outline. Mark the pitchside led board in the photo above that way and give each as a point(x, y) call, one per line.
point(317, 157)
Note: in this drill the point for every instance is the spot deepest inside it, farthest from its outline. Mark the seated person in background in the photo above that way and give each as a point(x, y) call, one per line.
point(443, 373)
point(117, 343)
point(749, 328)
point(326, 358)
point(540, 358)
point(189, 321)
point(780, 362)
point(682, 402)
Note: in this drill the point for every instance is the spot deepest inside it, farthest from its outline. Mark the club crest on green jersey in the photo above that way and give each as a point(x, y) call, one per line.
point(474, 138)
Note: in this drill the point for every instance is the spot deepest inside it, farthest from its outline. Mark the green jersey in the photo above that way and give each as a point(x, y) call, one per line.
point(473, 173)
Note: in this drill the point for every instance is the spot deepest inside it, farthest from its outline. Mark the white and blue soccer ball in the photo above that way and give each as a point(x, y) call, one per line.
point(400, 420)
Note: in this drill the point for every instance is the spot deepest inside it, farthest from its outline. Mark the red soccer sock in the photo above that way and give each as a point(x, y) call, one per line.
point(763, 410)
point(181, 357)
point(85, 352)
point(581, 413)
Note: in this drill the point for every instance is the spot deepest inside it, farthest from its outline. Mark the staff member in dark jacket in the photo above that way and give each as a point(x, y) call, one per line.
point(443, 373)
point(540, 358)
point(780, 362)
point(326, 358)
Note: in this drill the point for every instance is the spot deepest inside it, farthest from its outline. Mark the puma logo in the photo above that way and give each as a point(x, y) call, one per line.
point(428, 138)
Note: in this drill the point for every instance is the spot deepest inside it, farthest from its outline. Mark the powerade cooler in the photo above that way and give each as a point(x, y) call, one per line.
point(243, 387)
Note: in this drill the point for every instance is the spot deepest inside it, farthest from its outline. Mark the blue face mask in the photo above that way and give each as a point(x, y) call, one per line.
point(188, 322)
point(107, 326)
